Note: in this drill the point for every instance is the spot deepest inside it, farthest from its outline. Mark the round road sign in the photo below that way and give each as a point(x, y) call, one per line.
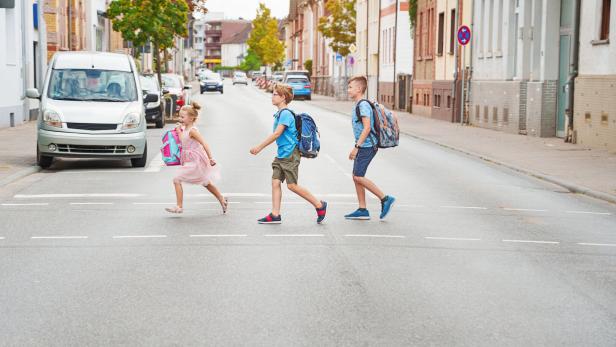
point(464, 35)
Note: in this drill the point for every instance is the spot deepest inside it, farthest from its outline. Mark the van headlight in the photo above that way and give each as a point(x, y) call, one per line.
point(52, 118)
point(131, 121)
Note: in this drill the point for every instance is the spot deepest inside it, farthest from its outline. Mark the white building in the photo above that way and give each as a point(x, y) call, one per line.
point(594, 119)
point(18, 68)
point(199, 41)
point(519, 67)
point(234, 47)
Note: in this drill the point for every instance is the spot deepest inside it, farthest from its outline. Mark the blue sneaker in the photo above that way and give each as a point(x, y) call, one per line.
point(360, 214)
point(386, 205)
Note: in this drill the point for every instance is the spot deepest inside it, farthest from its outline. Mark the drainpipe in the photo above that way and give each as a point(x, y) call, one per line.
point(395, 49)
point(454, 98)
point(570, 86)
point(378, 47)
point(25, 27)
point(367, 38)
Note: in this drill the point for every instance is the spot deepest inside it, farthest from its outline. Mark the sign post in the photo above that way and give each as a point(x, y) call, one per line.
point(464, 37)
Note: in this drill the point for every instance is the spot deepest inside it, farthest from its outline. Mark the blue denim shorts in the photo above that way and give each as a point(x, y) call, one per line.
point(362, 160)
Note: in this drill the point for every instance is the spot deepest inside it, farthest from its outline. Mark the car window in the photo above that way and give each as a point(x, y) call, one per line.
point(149, 83)
point(297, 80)
point(92, 85)
point(170, 82)
point(212, 77)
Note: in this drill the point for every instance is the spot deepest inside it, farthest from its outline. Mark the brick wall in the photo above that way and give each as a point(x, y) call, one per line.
point(386, 94)
point(594, 111)
point(497, 105)
point(541, 108)
point(443, 101)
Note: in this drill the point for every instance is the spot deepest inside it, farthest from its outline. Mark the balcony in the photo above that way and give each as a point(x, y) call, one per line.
point(212, 45)
point(213, 33)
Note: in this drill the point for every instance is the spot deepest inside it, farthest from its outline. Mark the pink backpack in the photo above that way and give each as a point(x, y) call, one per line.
point(171, 148)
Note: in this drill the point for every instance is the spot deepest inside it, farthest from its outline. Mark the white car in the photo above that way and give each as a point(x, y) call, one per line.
point(240, 78)
point(91, 106)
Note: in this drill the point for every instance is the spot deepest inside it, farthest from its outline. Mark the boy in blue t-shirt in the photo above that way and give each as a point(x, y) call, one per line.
point(364, 151)
point(286, 164)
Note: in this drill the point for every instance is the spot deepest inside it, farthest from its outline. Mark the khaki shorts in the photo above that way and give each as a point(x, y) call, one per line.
point(287, 168)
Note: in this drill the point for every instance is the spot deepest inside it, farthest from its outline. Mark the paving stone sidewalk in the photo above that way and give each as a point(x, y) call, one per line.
point(575, 167)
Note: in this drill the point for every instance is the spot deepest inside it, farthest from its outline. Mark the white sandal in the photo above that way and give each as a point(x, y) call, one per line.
point(176, 209)
point(225, 206)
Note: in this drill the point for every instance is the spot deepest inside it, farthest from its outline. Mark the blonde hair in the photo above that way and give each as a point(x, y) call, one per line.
point(284, 90)
point(362, 80)
point(192, 110)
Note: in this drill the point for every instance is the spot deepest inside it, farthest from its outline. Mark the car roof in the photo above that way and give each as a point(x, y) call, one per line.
point(92, 60)
point(297, 76)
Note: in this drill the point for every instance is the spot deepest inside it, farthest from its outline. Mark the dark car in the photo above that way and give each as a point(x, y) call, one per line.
point(154, 111)
point(211, 83)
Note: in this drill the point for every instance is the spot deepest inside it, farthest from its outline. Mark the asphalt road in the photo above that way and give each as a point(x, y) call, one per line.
point(472, 254)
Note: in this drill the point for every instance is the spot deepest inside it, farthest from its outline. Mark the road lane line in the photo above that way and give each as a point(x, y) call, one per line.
point(154, 203)
point(376, 236)
point(155, 164)
point(57, 237)
point(598, 244)
point(32, 204)
point(523, 209)
point(219, 235)
point(138, 236)
point(91, 203)
point(284, 202)
point(338, 166)
point(410, 205)
point(451, 238)
point(216, 202)
point(589, 212)
point(91, 195)
point(533, 241)
point(294, 235)
point(466, 207)
point(1, 237)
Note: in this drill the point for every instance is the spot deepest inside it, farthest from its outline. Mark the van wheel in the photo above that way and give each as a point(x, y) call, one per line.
point(221, 91)
point(160, 123)
point(140, 162)
point(43, 160)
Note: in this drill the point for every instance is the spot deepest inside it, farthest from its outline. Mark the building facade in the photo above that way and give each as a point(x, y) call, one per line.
point(594, 120)
point(234, 47)
point(66, 25)
point(424, 68)
point(367, 55)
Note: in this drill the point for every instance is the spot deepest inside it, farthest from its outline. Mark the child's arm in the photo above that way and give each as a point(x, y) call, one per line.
point(268, 140)
point(197, 136)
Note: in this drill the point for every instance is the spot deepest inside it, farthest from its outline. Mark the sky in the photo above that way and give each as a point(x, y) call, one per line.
point(247, 9)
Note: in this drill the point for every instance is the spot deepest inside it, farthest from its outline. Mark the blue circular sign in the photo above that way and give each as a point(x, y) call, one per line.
point(464, 35)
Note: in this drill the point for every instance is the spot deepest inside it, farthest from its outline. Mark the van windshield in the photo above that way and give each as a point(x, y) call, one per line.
point(92, 85)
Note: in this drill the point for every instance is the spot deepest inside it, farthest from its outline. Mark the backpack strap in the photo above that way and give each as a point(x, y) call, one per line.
point(374, 115)
point(298, 123)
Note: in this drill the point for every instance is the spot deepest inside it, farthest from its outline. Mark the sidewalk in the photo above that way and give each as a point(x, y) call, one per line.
point(17, 152)
point(576, 168)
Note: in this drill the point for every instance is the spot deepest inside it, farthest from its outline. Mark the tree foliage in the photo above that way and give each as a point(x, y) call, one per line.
point(263, 40)
point(251, 62)
point(156, 21)
point(339, 26)
point(412, 14)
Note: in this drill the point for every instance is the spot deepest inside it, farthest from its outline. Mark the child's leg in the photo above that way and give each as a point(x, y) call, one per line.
point(363, 182)
point(276, 196)
point(361, 192)
point(179, 193)
point(212, 189)
point(304, 193)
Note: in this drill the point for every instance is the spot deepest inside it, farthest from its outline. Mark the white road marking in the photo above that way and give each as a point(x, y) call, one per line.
point(91, 203)
point(219, 235)
point(588, 212)
point(533, 241)
point(598, 244)
point(153, 203)
point(284, 202)
point(451, 238)
point(294, 235)
point(155, 164)
point(216, 202)
point(1, 237)
point(32, 204)
point(466, 207)
point(338, 166)
point(91, 195)
point(138, 236)
point(80, 172)
point(523, 209)
point(378, 236)
point(58, 237)
point(412, 206)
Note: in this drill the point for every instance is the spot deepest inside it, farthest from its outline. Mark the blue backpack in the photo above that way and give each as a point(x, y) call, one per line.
point(307, 135)
point(386, 130)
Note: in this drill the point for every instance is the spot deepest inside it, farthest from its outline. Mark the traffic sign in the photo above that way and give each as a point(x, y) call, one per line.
point(338, 57)
point(464, 35)
point(352, 48)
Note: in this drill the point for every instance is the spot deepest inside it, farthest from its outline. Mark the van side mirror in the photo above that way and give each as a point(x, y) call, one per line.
point(150, 98)
point(33, 93)
point(165, 91)
point(187, 87)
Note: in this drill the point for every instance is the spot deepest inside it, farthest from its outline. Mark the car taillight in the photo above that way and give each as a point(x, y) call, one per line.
point(307, 86)
point(180, 102)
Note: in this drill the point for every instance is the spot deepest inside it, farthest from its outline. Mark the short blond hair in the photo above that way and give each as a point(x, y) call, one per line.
point(362, 80)
point(284, 90)
point(192, 109)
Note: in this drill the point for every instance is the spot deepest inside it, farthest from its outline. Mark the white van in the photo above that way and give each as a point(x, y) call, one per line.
point(92, 106)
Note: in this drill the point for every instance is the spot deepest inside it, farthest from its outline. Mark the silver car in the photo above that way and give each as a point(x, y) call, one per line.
point(91, 106)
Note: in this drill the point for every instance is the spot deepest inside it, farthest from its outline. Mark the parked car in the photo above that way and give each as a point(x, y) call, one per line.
point(255, 75)
point(154, 111)
point(91, 107)
point(211, 82)
point(301, 86)
point(295, 73)
point(239, 77)
point(178, 90)
point(278, 76)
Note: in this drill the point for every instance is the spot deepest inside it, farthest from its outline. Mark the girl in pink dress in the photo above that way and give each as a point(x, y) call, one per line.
point(198, 166)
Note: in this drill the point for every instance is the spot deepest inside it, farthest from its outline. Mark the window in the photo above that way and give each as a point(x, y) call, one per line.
point(420, 36)
point(604, 34)
point(441, 33)
point(499, 34)
point(452, 38)
point(491, 27)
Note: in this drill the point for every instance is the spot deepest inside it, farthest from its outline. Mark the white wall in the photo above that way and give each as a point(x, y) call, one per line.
point(596, 59)
point(404, 42)
point(12, 100)
point(230, 52)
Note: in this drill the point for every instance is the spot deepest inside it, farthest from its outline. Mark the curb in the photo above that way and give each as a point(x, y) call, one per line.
point(19, 174)
point(571, 187)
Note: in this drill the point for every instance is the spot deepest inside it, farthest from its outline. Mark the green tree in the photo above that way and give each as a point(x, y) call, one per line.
point(155, 21)
point(263, 40)
point(251, 62)
point(308, 66)
point(412, 14)
point(339, 26)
